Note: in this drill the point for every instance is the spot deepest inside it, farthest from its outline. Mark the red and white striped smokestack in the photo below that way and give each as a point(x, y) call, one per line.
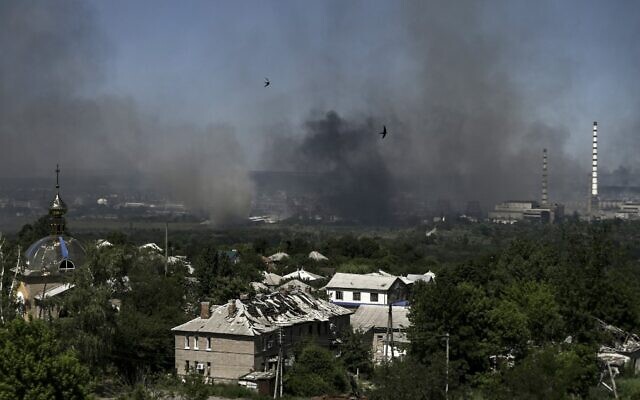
point(594, 203)
point(594, 166)
point(544, 200)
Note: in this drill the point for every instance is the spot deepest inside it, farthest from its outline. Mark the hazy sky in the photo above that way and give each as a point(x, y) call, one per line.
point(205, 60)
point(470, 90)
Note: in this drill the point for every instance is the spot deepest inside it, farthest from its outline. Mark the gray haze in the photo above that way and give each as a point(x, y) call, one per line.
point(53, 59)
point(471, 91)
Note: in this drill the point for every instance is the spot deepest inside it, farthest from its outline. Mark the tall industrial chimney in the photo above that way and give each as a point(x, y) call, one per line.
point(544, 201)
point(593, 197)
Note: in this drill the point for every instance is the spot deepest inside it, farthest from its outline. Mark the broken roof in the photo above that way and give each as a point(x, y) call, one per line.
point(263, 314)
point(375, 316)
point(271, 279)
point(427, 277)
point(354, 281)
point(296, 284)
point(302, 275)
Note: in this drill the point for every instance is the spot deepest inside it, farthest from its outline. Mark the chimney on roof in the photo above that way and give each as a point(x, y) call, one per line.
point(231, 308)
point(204, 310)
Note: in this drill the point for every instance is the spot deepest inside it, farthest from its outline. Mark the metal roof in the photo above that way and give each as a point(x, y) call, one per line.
point(355, 281)
point(375, 316)
point(263, 314)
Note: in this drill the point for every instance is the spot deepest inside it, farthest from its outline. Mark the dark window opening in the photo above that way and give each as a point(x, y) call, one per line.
point(356, 296)
point(66, 264)
point(338, 294)
point(374, 297)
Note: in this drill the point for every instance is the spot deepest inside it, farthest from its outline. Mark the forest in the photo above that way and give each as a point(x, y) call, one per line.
point(522, 306)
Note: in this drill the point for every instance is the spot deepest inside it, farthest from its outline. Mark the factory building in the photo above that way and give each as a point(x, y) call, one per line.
point(509, 212)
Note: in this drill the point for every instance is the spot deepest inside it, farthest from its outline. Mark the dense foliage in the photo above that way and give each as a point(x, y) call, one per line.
point(33, 365)
point(521, 304)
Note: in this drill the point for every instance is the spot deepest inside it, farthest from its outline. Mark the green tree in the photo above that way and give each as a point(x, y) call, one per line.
point(355, 352)
point(315, 372)
point(143, 342)
point(551, 373)
point(408, 379)
point(33, 366)
point(462, 310)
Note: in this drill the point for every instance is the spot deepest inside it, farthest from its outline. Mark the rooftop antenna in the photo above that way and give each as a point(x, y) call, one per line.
point(545, 198)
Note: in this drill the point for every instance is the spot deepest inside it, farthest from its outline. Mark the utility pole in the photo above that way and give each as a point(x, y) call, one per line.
point(1, 278)
point(15, 275)
point(166, 248)
point(281, 357)
point(446, 385)
point(391, 325)
point(387, 341)
point(278, 383)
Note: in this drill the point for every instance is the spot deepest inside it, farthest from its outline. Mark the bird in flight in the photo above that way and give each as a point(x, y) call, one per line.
point(266, 82)
point(384, 131)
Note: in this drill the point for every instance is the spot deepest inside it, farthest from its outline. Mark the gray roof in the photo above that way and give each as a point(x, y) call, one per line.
point(263, 314)
point(271, 279)
point(296, 284)
point(375, 316)
point(355, 281)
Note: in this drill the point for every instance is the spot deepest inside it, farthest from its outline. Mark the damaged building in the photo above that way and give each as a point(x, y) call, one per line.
point(227, 342)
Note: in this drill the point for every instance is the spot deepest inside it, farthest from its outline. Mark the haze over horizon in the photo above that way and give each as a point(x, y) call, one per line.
point(471, 91)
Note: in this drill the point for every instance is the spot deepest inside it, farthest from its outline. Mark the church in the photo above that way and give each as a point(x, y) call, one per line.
point(47, 265)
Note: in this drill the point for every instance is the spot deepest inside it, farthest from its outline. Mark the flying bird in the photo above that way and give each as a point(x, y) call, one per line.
point(266, 82)
point(384, 131)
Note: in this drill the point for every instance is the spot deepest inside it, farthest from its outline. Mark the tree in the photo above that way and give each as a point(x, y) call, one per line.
point(34, 366)
point(551, 373)
point(462, 310)
point(355, 352)
point(408, 379)
point(143, 341)
point(315, 372)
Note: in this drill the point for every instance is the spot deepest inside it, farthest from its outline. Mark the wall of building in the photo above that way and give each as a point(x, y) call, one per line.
point(232, 356)
point(229, 357)
point(365, 296)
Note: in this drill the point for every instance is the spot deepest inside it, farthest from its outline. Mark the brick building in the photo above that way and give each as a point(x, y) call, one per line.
point(228, 341)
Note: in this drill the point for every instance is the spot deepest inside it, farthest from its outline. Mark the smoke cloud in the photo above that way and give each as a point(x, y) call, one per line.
point(54, 62)
point(462, 130)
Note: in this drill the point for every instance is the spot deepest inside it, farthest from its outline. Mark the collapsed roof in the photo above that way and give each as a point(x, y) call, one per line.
point(263, 314)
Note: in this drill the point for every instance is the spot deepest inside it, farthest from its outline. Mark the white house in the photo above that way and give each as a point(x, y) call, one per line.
point(354, 289)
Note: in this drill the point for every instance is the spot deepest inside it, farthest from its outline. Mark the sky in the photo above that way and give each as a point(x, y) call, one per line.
point(206, 60)
point(470, 91)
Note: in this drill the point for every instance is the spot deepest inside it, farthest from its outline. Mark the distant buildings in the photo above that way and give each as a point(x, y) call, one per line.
point(512, 211)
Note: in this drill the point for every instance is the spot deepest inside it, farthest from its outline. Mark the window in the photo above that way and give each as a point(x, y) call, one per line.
point(186, 366)
point(338, 294)
point(356, 296)
point(269, 343)
point(195, 343)
point(310, 329)
point(208, 369)
point(186, 342)
point(66, 265)
point(209, 343)
point(374, 297)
